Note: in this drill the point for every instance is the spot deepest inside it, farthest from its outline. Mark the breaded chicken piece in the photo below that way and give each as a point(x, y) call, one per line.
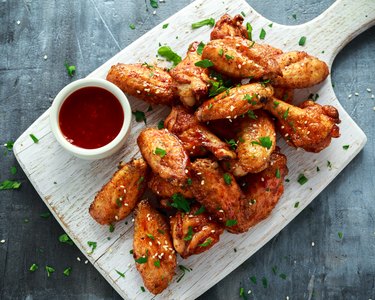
point(145, 82)
point(117, 199)
point(310, 126)
point(235, 102)
point(240, 58)
point(217, 191)
point(263, 190)
point(165, 154)
point(194, 232)
point(284, 94)
point(256, 142)
point(163, 188)
point(152, 248)
point(229, 27)
point(192, 81)
point(300, 70)
point(194, 135)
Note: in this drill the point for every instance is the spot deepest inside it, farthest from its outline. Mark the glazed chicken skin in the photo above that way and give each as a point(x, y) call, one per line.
point(256, 142)
point(240, 58)
point(300, 70)
point(145, 82)
point(195, 136)
point(262, 191)
point(194, 232)
point(285, 94)
point(163, 188)
point(229, 27)
point(309, 126)
point(192, 81)
point(117, 199)
point(235, 102)
point(153, 249)
point(165, 154)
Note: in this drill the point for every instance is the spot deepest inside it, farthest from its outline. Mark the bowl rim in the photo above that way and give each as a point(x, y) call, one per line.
point(105, 150)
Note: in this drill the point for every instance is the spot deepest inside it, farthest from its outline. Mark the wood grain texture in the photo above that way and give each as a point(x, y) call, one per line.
point(72, 203)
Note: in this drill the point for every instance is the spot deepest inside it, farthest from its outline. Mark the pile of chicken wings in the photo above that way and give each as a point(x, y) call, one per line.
point(215, 165)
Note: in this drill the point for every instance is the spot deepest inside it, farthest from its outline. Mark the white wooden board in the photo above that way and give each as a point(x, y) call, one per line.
point(67, 185)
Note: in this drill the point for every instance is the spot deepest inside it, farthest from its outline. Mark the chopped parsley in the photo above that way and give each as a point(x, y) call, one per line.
point(317, 169)
point(243, 14)
point(67, 271)
point(140, 180)
point(283, 276)
point(340, 234)
point(227, 178)
point(9, 145)
point(180, 203)
point(265, 282)
point(264, 141)
point(294, 16)
point(45, 215)
point(232, 144)
point(161, 231)
point(201, 210)
point(160, 152)
point(206, 243)
point(274, 270)
point(154, 3)
point(262, 34)
point(252, 115)
point(149, 108)
point(253, 279)
point(70, 69)
point(149, 235)
point(229, 57)
point(270, 25)
point(13, 170)
point(205, 63)
point(161, 124)
point(49, 270)
point(34, 138)
point(277, 173)
point(302, 41)
point(118, 201)
point(264, 82)
point(157, 263)
point(230, 223)
point(132, 26)
point(200, 48)
point(210, 22)
point(9, 185)
point(141, 260)
point(139, 116)
point(249, 29)
point(131, 251)
point(345, 147)
point(169, 55)
point(111, 228)
point(92, 245)
point(296, 204)
point(189, 234)
point(250, 99)
point(184, 270)
point(286, 113)
point(302, 179)
point(165, 26)
point(33, 268)
point(120, 273)
point(242, 293)
point(143, 289)
point(65, 239)
point(189, 181)
point(210, 106)
point(313, 97)
point(329, 164)
point(275, 104)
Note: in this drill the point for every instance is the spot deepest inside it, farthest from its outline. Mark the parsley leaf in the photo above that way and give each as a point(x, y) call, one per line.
point(277, 173)
point(111, 228)
point(210, 22)
point(230, 223)
point(154, 3)
point(9, 185)
point(34, 138)
point(296, 204)
point(227, 178)
point(264, 141)
point(161, 124)
point(157, 263)
point(345, 147)
point(229, 57)
point(201, 210)
point(265, 282)
point(160, 152)
point(232, 144)
point(180, 202)
point(200, 48)
point(282, 276)
point(33, 268)
point(9, 145)
point(285, 115)
point(70, 69)
point(92, 245)
point(184, 270)
point(302, 41)
point(65, 239)
point(141, 260)
point(206, 243)
point(67, 271)
point(45, 215)
point(253, 279)
point(165, 26)
point(49, 270)
point(249, 29)
point(340, 234)
point(143, 289)
point(120, 273)
point(149, 235)
point(205, 63)
point(139, 116)
point(169, 55)
point(262, 34)
point(302, 179)
point(189, 234)
point(13, 170)
point(132, 26)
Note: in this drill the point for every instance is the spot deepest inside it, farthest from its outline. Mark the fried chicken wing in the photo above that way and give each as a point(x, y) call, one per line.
point(192, 81)
point(300, 70)
point(144, 81)
point(117, 199)
point(235, 102)
point(163, 188)
point(152, 248)
point(194, 232)
point(310, 126)
point(263, 190)
point(229, 27)
point(256, 142)
point(194, 135)
point(165, 154)
point(240, 58)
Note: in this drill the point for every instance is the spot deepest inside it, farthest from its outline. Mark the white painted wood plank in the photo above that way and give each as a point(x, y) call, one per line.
point(77, 181)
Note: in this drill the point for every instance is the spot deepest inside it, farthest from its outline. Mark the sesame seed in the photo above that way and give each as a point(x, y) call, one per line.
point(147, 90)
point(249, 291)
point(368, 90)
point(287, 297)
point(312, 244)
point(150, 243)
point(158, 242)
point(213, 231)
point(18, 22)
point(202, 182)
point(239, 66)
point(126, 204)
point(286, 134)
point(45, 57)
point(350, 95)
point(372, 96)
point(2, 241)
point(186, 171)
point(170, 256)
point(231, 108)
point(124, 191)
point(138, 91)
point(78, 259)
point(154, 12)
point(116, 217)
point(129, 265)
point(282, 127)
point(221, 211)
point(86, 262)
point(356, 94)
point(133, 220)
point(262, 179)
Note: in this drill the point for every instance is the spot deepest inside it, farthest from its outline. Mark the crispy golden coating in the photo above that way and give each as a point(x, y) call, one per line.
point(229, 27)
point(256, 142)
point(263, 190)
point(300, 70)
point(152, 248)
point(117, 199)
point(194, 233)
point(192, 81)
point(284, 94)
point(195, 136)
point(310, 126)
point(240, 58)
point(165, 154)
point(235, 102)
point(143, 81)
point(163, 188)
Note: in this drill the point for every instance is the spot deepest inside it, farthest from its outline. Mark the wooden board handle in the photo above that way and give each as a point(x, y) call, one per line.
point(338, 25)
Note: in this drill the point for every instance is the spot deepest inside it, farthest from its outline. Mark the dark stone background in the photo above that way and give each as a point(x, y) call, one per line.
point(86, 33)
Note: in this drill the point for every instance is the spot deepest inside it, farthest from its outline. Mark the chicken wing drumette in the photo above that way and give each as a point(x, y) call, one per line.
point(309, 126)
point(144, 81)
point(194, 232)
point(117, 199)
point(152, 248)
point(235, 102)
point(229, 27)
point(163, 188)
point(195, 136)
point(165, 154)
point(192, 81)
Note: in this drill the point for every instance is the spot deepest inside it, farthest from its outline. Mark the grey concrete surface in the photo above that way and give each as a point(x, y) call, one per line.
point(88, 32)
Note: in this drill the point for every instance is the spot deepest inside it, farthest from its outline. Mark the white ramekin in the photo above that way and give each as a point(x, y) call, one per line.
point(97, 153)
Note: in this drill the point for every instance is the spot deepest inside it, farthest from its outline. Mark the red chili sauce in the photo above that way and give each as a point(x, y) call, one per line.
point(91, 117)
